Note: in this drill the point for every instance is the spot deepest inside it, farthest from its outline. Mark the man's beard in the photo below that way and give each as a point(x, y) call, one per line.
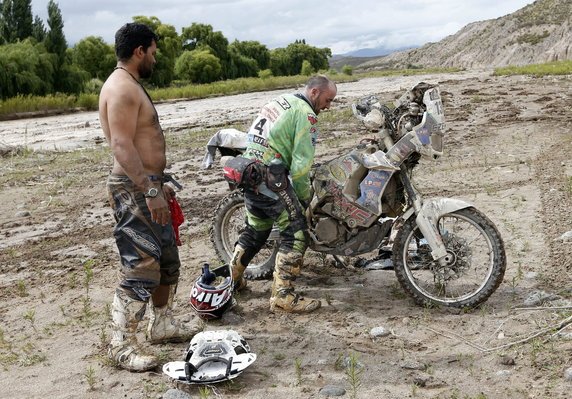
point(145, 70)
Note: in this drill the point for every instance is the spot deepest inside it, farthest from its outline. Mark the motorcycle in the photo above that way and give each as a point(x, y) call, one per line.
point(444, 251)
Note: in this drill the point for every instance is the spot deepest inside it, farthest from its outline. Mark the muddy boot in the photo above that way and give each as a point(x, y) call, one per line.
point(126, 313)
point(283, 296)
point(238, 269)
point(163, 327)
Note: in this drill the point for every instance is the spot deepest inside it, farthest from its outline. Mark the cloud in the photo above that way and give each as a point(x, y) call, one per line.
point(338, 24)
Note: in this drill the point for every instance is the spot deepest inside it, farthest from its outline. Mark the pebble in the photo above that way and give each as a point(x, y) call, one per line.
point(538, 298)
point(21, 214)
point(378, 332)
point(566, 237)
point(347, 362)
point(176, 394)
point(568, 374)
point(332, 390)
point(503, 372)
point(507, 361)
point(411, 365)
point(566, 336)
point(531, 275)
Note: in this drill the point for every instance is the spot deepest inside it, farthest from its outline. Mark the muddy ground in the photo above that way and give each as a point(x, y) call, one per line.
point(508, 151)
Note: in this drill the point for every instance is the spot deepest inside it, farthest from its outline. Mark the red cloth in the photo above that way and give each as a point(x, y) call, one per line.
point(177, 218)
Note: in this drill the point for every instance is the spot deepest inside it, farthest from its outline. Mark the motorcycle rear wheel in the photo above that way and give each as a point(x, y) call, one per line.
point(477, 261)
point(228, 222)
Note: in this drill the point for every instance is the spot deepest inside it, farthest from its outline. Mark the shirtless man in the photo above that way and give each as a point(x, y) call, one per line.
point(143, 233)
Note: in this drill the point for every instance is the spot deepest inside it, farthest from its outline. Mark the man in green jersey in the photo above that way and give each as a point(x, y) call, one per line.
point(283, 137)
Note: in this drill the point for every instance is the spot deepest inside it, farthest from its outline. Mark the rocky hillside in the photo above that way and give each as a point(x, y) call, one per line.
point(539, 32)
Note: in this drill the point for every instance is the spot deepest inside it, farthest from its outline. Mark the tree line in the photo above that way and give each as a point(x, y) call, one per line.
point(35, 59)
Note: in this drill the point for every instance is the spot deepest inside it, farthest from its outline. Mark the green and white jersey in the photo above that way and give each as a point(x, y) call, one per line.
point(287, 126)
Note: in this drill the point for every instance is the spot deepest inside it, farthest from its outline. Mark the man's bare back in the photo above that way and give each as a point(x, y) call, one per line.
point(131, 126)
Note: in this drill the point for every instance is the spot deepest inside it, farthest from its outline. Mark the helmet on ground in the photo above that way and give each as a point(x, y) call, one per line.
point(208, 300)
point(212, 356)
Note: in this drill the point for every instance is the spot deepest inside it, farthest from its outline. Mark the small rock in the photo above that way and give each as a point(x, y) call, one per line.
point(507, 361)
point(538, 298)
point(382, 264)
point(411, 365)
point(22, 214)
point(347, 362)
point(531, 275)
point(176, 394)
point(566, 336)
point(566, 237)
point(420, 382)
point(378, 332)
point(503, 372)
point(332, 390)
point(568, 374)
point(322, 362)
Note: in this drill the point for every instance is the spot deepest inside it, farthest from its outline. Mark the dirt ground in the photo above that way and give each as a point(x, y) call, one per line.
point(508, 151)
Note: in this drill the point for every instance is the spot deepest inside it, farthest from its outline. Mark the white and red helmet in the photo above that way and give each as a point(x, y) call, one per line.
point(208, 300)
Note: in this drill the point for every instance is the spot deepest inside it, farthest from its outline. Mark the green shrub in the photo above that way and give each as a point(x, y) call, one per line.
point(87, 100)
point(265, 74)
point(93, 86)
point(307, 69)
point(348, 70)
point(550, 68)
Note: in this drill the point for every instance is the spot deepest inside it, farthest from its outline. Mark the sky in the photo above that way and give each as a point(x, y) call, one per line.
point(341, 25)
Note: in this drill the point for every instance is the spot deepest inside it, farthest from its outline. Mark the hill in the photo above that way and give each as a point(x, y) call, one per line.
point(540, 32)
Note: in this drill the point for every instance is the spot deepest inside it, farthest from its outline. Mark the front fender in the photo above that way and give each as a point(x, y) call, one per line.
point(434, 208)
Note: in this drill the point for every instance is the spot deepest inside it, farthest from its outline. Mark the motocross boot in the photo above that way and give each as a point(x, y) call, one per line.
point(126, 313)
point(238, 269)
point(283, 296)
point(163, 327)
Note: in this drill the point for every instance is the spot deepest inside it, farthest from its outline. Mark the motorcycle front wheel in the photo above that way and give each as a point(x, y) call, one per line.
point(476, 261)
point(228, 222)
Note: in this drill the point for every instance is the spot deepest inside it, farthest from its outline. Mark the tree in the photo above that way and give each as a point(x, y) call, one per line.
point(55, 39)
point(307, 69)
point(22, 14)
point(241, 66)
point(201, 36)
point(7, 23)
point(198, 66)
point(38, 29)
point(26, 68)
point(94, 56)
point(288, 61)
point(254, 50)
point(279, 62)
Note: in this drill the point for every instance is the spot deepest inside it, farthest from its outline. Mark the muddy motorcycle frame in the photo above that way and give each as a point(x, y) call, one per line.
point(444, 251)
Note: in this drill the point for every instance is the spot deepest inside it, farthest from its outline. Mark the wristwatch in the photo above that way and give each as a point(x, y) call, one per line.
point(151, 193)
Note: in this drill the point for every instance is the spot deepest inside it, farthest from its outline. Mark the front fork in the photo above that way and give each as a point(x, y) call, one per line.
point(426, 221)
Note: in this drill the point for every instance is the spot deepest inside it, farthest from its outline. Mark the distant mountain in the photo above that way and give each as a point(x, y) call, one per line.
point(358, 57)
point(539, 32)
